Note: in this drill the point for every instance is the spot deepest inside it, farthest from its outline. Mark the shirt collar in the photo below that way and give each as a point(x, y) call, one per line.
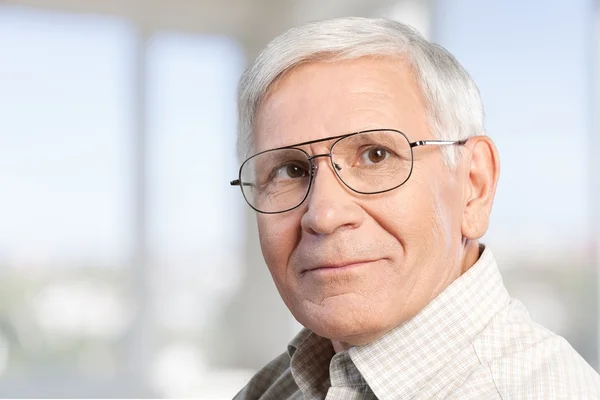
point(310, 357)
point(297, 341)
point(399, 363)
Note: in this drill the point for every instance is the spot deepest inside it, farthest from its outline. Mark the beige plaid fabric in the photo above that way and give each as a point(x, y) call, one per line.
point(471, 342)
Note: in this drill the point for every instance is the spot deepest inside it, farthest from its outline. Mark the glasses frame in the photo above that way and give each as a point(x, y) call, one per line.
point(314, 167)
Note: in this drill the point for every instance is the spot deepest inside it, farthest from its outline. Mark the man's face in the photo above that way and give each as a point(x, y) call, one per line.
point(398, 249)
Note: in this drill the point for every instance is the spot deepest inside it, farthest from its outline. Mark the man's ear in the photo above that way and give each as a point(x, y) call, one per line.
point(482, 170)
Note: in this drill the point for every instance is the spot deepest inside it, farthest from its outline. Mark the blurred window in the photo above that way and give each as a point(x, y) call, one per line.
point(65, 207)
point(196, 220)
point(67, 119)
point(65, 101)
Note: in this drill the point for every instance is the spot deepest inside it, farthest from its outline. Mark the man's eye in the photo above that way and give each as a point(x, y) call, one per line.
point(374, 155)
point(291, 171)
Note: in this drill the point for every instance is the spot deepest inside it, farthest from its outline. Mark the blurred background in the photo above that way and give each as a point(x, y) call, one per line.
point(128, 265)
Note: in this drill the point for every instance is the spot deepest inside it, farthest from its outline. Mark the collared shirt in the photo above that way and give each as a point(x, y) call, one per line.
point(471, 342)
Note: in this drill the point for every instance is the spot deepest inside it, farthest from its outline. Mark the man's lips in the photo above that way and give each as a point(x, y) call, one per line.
point(338, 265)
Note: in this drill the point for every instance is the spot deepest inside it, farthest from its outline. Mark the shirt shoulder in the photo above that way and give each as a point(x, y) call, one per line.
point(272, 382)
point(526, 360)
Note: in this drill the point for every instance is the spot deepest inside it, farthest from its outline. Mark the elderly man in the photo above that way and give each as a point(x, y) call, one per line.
point(372, 179)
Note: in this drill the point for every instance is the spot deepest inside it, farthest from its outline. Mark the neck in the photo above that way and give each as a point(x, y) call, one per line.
point(340, 346)
point(471, 254)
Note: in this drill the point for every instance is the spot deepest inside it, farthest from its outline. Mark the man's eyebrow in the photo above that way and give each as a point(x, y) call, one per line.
point(325, 139)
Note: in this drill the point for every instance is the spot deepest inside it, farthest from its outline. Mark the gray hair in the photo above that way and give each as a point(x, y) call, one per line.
point(454, 107)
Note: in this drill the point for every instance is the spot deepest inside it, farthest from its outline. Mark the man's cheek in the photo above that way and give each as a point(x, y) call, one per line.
point(273, 244)
point(266, 232)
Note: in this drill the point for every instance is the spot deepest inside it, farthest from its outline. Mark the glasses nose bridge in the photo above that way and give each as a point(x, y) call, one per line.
point(313, 165)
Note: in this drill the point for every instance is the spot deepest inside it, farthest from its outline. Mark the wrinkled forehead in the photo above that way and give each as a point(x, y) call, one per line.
point(325, 99)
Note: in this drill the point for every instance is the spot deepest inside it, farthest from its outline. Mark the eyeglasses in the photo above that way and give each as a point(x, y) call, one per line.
point(367, 162)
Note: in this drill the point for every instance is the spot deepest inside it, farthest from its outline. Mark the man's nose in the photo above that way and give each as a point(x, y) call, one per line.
point(330, 204)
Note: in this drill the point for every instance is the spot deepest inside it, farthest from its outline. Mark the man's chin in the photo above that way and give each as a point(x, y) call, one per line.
point(344, 327)
point(352, 337)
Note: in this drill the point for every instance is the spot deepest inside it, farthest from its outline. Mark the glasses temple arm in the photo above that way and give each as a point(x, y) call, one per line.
point(437, 142)
point(237, 182)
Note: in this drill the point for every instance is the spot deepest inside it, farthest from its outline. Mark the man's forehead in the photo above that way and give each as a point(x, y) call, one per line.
point(323, 99)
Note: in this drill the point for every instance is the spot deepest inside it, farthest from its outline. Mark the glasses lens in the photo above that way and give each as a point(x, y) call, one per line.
point(373, 162)
point(276, 180)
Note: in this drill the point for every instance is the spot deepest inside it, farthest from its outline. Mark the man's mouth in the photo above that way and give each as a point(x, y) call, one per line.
point(338, 266)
